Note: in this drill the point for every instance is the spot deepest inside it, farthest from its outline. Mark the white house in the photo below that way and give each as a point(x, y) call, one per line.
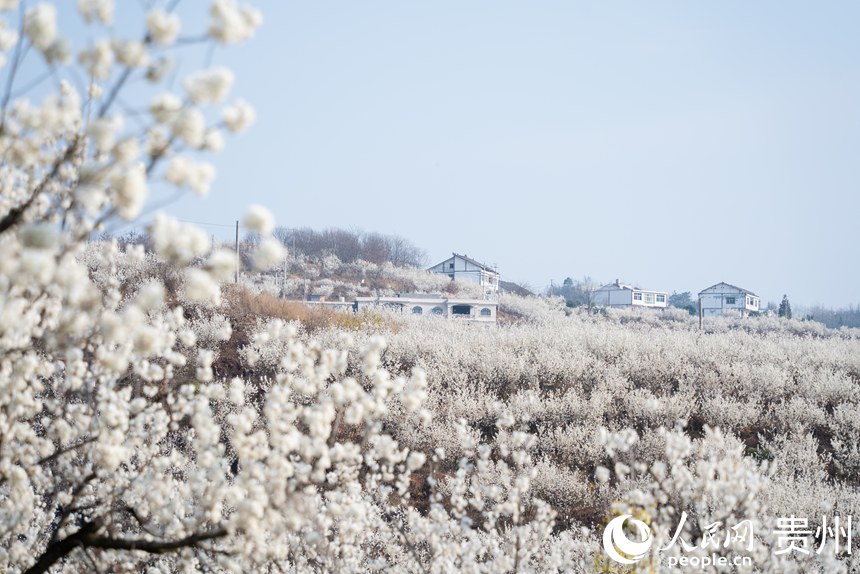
point(725, 299)
point(623, 295)
point(476, 310)
point(462, 268)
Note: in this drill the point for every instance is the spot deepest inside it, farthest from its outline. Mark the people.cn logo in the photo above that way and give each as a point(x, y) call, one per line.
point(619, 547)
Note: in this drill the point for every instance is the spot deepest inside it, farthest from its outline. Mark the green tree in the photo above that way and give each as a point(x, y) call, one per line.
point(785, 308)
point(683, 301)
point(578, 292)
point(680, 300)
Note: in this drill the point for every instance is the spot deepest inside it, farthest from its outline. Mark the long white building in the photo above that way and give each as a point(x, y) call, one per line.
point(624, 295)
point(477, 310)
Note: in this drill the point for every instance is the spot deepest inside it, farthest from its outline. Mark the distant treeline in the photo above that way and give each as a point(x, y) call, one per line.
point(834, 318)
point(349, 246)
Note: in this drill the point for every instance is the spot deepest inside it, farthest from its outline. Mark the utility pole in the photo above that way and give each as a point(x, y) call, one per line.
point(237, 251)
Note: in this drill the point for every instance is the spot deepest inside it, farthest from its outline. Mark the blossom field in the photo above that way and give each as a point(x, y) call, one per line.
point(157, 417)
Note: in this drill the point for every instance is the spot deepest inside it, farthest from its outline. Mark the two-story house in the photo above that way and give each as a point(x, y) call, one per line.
point(726, 299)
point(462, 268)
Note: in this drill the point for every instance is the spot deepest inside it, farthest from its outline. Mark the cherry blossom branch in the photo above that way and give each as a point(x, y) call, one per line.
point(15, 214)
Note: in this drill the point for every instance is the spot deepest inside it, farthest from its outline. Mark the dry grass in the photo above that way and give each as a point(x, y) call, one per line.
point(244, 305)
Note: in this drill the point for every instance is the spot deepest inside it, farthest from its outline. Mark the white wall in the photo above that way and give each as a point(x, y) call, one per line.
point(624, 298)
point(717, 303)
point(620, 297)
point(464, 270)
point(649, 299)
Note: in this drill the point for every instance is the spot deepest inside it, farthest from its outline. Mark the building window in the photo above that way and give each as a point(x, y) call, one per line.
point(730, 300)
point(485, 312)
point(451, 265)
point(417, 310)
point(437, 311)
point(661, 298)
point(637, 296)
point(461, 310)
point(649, 298)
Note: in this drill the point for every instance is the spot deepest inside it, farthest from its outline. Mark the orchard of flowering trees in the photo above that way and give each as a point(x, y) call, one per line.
point(148, 425)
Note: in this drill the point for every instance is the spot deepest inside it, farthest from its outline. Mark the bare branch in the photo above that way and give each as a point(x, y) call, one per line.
point(114, 92)
point(86, 537)
point(154, 547)
point(69, 448)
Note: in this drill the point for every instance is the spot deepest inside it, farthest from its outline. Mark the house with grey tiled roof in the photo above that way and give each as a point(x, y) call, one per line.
point(620, 294)
point(726, 299)
point(463, 268)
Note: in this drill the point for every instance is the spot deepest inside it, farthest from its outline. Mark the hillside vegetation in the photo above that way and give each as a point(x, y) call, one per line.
point(539, 430)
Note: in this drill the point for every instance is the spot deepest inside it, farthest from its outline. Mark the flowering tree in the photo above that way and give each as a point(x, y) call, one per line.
point(108, 443)
point(119, 448)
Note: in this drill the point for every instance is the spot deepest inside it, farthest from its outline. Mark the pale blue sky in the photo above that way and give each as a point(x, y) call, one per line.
point(671, 144)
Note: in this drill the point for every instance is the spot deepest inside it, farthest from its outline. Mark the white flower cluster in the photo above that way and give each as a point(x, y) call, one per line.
point(101, 10)
point(163, 27)
point(177, 242)
point(61, 165)
point(270, 251)
point(40, 25)
point(230, 22)
point(239, 116)
point(183, 171)
point(209, 86)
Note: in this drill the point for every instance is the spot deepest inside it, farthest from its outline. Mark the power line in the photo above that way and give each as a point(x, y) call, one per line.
point(231, 226)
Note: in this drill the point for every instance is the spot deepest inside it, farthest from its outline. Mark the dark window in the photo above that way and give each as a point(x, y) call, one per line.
point(417, 310)
point(461, 310)
point(485, 312)
point(437, 311)
point(730, 300)
point(450, 266)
